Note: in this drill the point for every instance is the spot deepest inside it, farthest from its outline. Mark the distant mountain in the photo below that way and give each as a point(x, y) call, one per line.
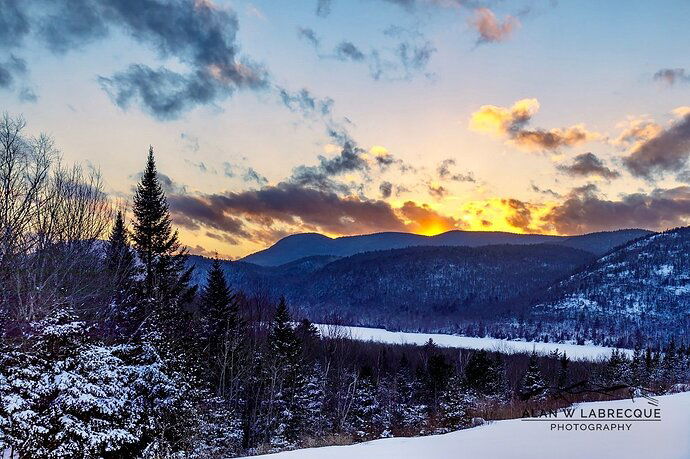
point(643, 286)
point(412, 286)
point(299, 246)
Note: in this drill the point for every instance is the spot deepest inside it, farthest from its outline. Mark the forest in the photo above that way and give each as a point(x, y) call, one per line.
point(109, 349)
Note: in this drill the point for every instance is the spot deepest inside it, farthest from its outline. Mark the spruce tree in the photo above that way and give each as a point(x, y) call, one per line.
point(121, 269)
point(532, 384)
point(223, 329)
point(166, 278)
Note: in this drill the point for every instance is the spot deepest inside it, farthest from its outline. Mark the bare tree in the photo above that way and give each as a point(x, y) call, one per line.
point(51, 217)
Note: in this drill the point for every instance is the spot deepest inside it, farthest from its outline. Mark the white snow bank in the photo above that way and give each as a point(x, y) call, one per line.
point(517, 439)
point(574, 351)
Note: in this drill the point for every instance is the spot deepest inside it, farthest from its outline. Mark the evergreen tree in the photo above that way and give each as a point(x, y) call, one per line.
point(166, 279)
point(224, 331)
point(532, 384)
point(485, 376)
point(409, 412)
point(287, 380)
point(563, 364)
point(365, 407)
point(121, 269)
point(455, 402)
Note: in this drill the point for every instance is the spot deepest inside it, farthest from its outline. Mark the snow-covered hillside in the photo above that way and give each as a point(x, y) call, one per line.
point(516, 439)
point(644, 285)
point(574, 351)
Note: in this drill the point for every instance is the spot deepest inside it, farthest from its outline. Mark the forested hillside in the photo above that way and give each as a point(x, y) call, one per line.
point(417, 286)
point(641, 289)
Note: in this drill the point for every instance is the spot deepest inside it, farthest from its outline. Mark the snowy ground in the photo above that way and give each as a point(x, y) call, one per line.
point(574, 351)
point(517, 439)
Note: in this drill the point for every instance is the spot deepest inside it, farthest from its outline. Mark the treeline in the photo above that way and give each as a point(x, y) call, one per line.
point(108, 350)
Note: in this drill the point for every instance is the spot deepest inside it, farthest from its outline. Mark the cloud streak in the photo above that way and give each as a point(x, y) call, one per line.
point(490, 28)
point(588, 164)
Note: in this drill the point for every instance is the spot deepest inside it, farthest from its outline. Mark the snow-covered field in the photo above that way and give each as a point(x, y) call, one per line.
point(517, 439)
point(574, 351)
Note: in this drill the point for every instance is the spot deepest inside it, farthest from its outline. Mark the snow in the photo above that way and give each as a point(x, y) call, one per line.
point(574, 351)
point(517, 439)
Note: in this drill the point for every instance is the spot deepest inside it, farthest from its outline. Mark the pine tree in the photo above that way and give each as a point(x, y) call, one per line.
point(224, 332)
point(486, 376)
point(365, 407)
point(166, 279)
point(532, 384)
point(288, 381)
point(563, 364)
point(454, 405)
point(121, 269)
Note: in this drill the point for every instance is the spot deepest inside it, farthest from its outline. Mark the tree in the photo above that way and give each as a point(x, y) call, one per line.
point(532, 384)
point(454, 405)
point(165, 276)
point(365, 407)
point(224, 331)
point(484, 375)
point(120, 268)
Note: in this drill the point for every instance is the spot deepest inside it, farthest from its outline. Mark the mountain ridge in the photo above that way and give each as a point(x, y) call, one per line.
point(298, 246)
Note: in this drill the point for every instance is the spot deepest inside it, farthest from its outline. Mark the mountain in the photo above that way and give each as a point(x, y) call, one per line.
point(299, 246)
point(643, 286)
point(414, 285)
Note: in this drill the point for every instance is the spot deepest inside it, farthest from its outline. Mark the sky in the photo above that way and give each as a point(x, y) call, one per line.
point(342, 117)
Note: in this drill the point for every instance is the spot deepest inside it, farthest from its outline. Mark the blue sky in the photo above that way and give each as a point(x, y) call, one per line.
point(403, 152)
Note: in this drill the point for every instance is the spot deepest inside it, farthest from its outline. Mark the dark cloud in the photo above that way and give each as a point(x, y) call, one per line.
point(195, 213)
point(587, 164)
point(11, 69)
point(250, 175)
point(545, 191)
point(305, 33)
point(386, 189)
point(346, 50)
point(521, 216)
point(320, 177)
point(293, 204)
point(409, 54)
point(305, 102)
point(14, 23)
point(323, 8)
point(672, 76)
point(585, 211)
point(437, 191)
point(197, 33)
point(27, 95)
point(668, 151)
point(444, 173)
point(169, 185)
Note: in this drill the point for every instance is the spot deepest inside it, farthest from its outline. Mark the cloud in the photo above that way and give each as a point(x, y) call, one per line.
point(544, 191)
point(585, 211)
point(305, 102)
point(436, 190)
point(444, 173)
point(408, 54)
point(386, 189)
point(294, 205)
point(636, 131)
point(11, 69)
point(668, 151)
point(350, 159)
point(520, 215)
point(672, 76)
point(251, 175)
point(323, 8)
point(346, 50)
point(197, 33)
point(27, 95)
point(490, 28)
point(512, 123)
point(588, 164)
point(683, 176)
point(423, 219)
point(305, 33)
point(196, 212)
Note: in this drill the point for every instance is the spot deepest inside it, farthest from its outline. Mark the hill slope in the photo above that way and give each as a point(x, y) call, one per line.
point(644, 284)
point(298, 246)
